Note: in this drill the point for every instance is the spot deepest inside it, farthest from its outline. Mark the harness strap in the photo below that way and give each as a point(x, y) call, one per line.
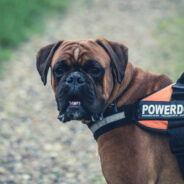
point(177, 146)
point(114, 117)
point(106, 121)
point(176, 128)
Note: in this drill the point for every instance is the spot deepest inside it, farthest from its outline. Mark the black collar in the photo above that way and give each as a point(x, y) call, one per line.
point(114, 117)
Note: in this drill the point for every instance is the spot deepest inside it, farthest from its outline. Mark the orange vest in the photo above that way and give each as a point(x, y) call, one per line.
point(161, 95)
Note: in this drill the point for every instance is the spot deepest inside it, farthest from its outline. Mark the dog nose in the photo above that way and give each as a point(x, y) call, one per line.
point(75, 78)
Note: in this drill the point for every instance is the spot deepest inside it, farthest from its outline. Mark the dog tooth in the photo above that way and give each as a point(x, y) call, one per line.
point(101, 117)
point(61, 117)
point(74, 103)
point(96, 116)
point(92, 118)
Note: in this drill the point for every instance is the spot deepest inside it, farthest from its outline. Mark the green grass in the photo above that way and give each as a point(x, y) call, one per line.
point(19, 19)
point(170, 35)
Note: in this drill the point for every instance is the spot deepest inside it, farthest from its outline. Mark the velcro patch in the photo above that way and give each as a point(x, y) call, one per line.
point(159, 110)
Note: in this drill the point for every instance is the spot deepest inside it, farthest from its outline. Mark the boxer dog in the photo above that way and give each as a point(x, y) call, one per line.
point(87, 76)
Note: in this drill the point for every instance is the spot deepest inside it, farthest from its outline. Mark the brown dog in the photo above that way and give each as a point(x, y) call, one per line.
point(87, 76)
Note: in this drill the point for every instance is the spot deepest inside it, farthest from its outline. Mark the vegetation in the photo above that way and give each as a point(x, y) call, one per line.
point(20, 18)
point(170, 34)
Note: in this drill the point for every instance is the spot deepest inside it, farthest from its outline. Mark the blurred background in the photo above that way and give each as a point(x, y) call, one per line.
point(34, 146)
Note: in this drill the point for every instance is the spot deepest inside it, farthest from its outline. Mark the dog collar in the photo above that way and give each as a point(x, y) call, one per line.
point(114, 117)
point(106, 121)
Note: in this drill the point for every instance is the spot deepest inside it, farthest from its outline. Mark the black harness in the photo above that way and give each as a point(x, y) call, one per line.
point(170, 111)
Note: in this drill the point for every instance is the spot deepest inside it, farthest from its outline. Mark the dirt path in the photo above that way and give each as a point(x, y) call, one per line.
point(35, 148)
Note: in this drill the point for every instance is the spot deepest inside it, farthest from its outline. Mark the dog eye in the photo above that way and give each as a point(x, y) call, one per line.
point(94, 69)
point(96, 72)
point(59, 71)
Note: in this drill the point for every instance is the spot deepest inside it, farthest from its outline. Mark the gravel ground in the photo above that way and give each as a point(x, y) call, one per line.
point(34, 146)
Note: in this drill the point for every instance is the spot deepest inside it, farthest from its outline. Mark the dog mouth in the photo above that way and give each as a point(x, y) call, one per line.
point(82, 104)
point(74, 111)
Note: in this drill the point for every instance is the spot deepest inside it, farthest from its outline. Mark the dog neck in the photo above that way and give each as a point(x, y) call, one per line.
point(136, 84)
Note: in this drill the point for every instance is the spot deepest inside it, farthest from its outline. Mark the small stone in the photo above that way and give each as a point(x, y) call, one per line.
point(26, 177)
point(2, 170)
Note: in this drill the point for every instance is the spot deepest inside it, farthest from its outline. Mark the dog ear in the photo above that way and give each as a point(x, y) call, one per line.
point(118, 54)
point(43, 59)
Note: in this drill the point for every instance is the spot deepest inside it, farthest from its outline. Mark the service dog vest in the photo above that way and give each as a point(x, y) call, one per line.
point(161, 112)
point(159, 109)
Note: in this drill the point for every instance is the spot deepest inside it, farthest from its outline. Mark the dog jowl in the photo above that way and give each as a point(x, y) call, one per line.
point(83, 75)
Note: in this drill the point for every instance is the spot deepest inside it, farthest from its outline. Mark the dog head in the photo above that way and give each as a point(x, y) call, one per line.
point(83, 74)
